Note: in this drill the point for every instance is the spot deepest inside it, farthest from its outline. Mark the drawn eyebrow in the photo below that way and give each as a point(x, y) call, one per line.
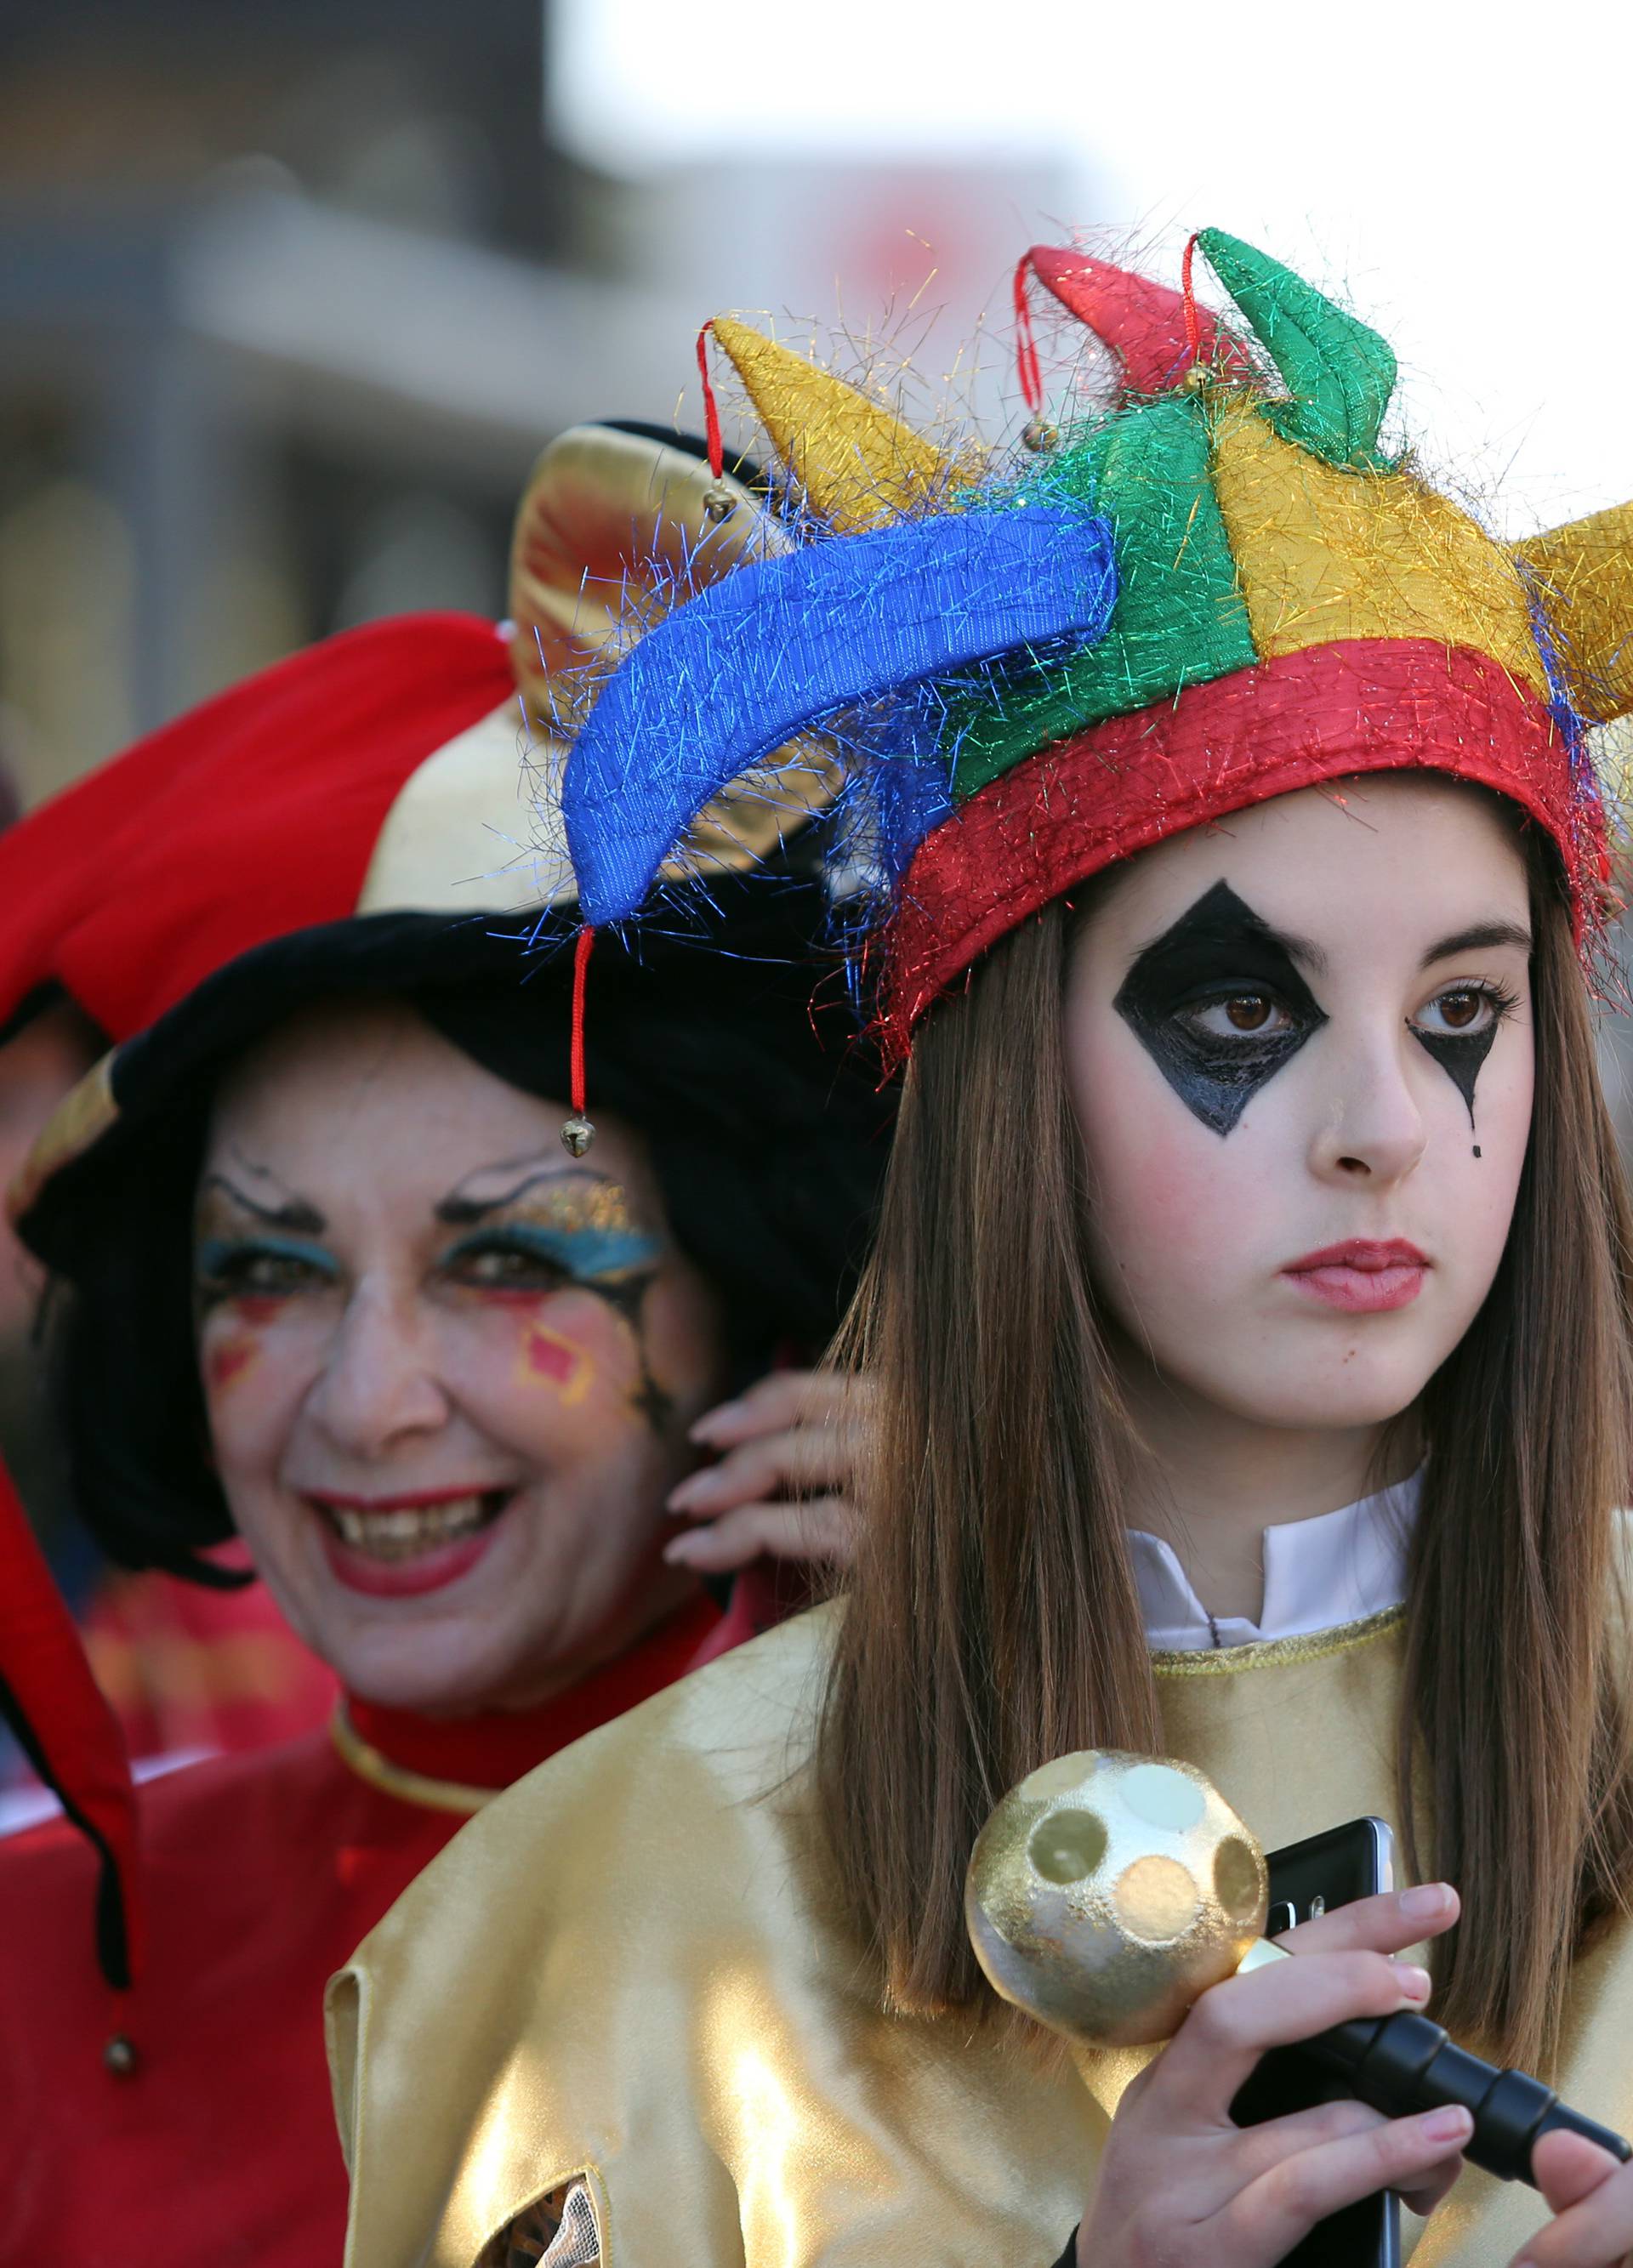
point(1477, 939)
point(294, 1213)
point(458, 1211)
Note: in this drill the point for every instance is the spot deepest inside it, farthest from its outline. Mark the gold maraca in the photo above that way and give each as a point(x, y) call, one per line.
point(1107, 1891)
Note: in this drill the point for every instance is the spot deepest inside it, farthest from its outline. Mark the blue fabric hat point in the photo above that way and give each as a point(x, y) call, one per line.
point(790, 642)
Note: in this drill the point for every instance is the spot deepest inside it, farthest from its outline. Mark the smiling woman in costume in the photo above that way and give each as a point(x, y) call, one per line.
point(1250, 1326)
point(330, 1279)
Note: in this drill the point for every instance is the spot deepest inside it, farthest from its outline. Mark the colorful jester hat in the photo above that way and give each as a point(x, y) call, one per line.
point(1217, 591)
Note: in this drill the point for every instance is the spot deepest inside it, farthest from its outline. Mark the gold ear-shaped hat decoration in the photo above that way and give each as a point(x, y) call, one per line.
point(614, 529)
point(606, 519)
point(857, 462)
point(1583, 574)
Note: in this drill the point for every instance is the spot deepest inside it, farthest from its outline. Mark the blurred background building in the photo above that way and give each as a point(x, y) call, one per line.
point(291, 292)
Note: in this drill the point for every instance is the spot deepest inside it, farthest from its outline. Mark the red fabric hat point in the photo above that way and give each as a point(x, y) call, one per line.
point(1143, 322)
point(1352, 707)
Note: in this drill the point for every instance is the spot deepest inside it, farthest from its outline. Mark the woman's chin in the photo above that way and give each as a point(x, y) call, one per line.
point(450, 1672)
point(437, 1651)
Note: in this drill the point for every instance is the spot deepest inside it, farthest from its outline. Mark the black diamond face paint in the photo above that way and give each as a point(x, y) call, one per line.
point(1219, 1006)
point(1460, 1055)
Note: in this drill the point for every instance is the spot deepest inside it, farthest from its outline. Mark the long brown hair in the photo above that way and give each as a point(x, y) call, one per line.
point(993, 1618)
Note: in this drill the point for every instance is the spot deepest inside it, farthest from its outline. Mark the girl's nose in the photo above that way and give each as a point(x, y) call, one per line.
point(1372, 1128)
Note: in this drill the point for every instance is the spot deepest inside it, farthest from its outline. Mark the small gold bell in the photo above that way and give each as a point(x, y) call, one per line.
point(120, 2056)
point(1196, 378)
point(718, 502)
point(577, 1134)
point(1039, 435)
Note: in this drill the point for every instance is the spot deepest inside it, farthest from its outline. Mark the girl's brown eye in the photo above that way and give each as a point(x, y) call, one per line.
point(1236, 1015)
point(1459, 1009)
point(1249, 1011)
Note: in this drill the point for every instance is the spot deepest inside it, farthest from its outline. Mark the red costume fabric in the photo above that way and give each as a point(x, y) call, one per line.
point(261, 1873)
point(196, 1673)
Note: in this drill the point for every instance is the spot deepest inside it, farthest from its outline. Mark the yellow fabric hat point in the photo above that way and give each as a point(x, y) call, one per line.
point(1584, 572)
point(857, 462)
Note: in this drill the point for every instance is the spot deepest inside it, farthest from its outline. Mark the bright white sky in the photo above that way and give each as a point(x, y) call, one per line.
point(1463, 172)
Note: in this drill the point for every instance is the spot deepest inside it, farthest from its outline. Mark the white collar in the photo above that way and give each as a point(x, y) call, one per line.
point(1319, 1573)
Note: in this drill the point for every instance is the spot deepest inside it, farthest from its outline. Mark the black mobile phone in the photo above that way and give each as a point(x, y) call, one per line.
point(1306, 1879)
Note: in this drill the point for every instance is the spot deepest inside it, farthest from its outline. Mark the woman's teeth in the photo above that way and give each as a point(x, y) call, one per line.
point(403, 1535)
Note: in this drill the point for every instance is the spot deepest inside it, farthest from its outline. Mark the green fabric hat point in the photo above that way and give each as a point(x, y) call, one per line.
point(1340, 374)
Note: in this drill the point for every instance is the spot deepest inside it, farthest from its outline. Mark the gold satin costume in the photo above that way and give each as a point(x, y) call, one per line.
point(630, 1968)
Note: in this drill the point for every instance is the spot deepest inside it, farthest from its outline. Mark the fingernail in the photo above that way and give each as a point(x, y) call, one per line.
point(728, 1414)
point(679, 1553)
point(687, 1492)
point(1452, 2125)
point(1415, 1983)
point(1426, 1900)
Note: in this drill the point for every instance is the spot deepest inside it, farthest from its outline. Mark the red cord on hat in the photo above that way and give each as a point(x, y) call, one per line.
point(1193, 318)
point(582, 953)
point(1027, 365)
point(577, 1133)
point(711, 412)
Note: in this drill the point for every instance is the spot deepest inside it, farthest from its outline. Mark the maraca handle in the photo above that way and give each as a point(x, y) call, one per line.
point(1404, 2064)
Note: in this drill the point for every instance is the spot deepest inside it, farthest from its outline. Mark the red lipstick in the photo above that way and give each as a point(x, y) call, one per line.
point(399, 1547)
point(1361, 1275)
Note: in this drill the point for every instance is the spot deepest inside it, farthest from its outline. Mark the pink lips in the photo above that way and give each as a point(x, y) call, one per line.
point(1360, 1276)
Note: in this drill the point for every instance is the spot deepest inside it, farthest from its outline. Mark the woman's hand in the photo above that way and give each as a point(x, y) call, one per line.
point(787, 1482)
point(1181, 2184)
point(1592, 2199)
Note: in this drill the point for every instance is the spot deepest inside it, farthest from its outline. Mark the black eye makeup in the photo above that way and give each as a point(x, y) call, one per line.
point(1458, 1026)
point(1218, 1005)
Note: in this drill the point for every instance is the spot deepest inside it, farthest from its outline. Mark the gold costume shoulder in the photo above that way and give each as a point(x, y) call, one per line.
point(628, 1971)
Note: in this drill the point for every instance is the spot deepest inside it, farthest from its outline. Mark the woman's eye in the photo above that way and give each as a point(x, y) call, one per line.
point(1463, 1011)
point(253, 1274)
point(1237, 1015)
point(505, 1266)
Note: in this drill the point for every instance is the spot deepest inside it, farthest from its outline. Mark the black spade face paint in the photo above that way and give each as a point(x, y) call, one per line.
point(1219, 1006)
point(1460, 1055)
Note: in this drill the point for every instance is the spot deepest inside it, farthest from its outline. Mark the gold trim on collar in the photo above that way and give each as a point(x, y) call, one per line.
point(1275, 1652)
point(396, 1779)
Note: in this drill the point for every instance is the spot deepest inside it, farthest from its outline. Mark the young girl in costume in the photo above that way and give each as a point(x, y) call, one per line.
point(333, 1282)
point(1250, 1321)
